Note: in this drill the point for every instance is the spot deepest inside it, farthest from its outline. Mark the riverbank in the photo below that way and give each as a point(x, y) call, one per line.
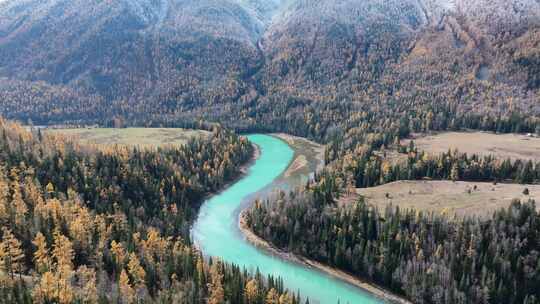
point(244, 169)
point(255, 155)
point(264, 245)
point(311, 152)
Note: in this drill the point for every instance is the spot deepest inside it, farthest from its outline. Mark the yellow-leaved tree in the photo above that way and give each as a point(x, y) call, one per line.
point(63, 254)
point(119, 253)
point(87, 280)
point(46, 290)
point(272, 297)
point(285, 299)
point(11, 254)
point(201, 273)
point(4, 203)
point(42, 260)
point(215, 287)
point(251, 291)
point(126, 291)
point(18, 205)
point(136, 272)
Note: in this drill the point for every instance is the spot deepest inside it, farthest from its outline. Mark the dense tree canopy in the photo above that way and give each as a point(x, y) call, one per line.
point(84, 224)
point(427, 258)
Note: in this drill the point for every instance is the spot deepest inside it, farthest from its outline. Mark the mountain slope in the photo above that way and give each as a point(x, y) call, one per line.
point(123, 48)
point(234, 60)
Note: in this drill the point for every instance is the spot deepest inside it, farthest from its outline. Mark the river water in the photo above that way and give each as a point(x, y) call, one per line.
point(217, 234)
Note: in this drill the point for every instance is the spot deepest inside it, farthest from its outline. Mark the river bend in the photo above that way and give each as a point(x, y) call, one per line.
point(216, 232)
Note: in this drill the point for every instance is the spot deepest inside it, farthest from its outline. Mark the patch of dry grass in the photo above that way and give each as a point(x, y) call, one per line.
point(460, 198)
point(142, 137)
point(512, 146)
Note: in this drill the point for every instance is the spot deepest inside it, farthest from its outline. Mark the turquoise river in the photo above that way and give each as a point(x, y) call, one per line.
point(216, 232)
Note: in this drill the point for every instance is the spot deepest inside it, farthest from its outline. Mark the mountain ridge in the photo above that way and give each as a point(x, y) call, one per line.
point(184, 57)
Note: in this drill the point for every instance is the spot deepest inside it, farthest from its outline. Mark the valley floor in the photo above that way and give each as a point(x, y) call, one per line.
point(142, 137)
point(513, 146)
point(459, 198)
point(308, 157)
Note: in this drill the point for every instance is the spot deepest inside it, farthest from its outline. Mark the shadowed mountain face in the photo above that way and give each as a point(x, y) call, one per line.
point(112, 47)
point(213, 58)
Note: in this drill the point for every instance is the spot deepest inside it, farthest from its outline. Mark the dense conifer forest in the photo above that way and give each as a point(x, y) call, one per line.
point(87, 224)
point(428, 258)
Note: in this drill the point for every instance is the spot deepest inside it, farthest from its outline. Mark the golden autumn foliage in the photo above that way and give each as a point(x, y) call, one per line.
point(88, 238)
point(45, 291)
point(136, 271)
point(118, 252)
point(11, 254)
point(217, 295)
point(272, 297)
point(86, 278)
point(251, 291)
point(285, 299)
point(63, 254)
point(127, 292)
point(42, 258)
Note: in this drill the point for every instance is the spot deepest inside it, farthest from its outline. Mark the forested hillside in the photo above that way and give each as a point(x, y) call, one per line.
point(306, 67)
point(88, 225)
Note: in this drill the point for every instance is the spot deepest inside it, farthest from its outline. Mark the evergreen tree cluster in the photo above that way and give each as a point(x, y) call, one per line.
point(427, 258)
point(370, 169)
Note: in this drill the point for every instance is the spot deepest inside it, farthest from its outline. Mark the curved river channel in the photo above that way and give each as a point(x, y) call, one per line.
point(216, 232)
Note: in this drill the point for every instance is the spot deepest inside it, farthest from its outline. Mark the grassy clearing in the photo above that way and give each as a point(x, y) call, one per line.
point(143, 137)
point(512, 146)
point(460, 198)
